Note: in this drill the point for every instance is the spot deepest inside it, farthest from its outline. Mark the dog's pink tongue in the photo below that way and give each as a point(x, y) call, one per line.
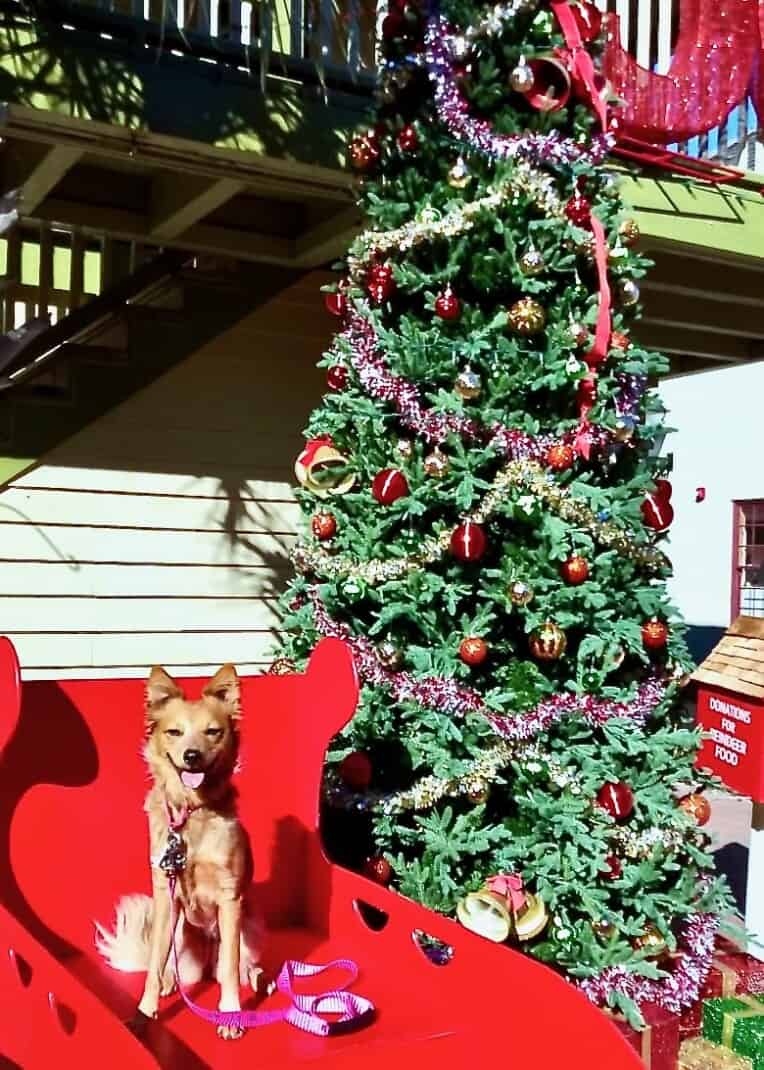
point(192, 780)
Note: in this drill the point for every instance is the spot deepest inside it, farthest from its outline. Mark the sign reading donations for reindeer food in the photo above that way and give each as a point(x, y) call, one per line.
point(730, 699)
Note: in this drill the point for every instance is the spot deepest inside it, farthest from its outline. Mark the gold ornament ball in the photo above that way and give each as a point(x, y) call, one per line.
point(548, 642)
point(579, 334)
point(651, 941)
point(479, 796)
point(521, 77)
point(436, 464)
point(389, 655)
point(628, 293)
point(520, 593)
point(527, 317)
point(604, 928)
point(585, 246)
point(532, 263)
point(623, 432)
point(468, 385)
point(405, 448)
point(629, 232)
point(697, 807)
point(282, 667)
point(459, 176)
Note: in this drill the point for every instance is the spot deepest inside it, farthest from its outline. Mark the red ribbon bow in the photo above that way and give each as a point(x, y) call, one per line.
point(510, 885)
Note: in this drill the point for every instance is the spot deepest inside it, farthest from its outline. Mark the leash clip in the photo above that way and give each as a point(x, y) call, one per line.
point(173, 858)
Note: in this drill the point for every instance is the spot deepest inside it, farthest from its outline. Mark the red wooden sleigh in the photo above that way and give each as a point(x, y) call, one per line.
point(73, 839)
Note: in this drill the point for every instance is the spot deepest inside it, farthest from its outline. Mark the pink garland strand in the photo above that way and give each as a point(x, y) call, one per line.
point(453, 110)
point(448, 696)
point(380, 383)
point(680, 989)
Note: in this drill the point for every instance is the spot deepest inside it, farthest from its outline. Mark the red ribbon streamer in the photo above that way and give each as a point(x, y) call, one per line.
point(583, 66)
point(599, 350)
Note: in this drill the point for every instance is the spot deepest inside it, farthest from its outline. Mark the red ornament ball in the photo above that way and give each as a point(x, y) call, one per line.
point(617, 799)
point(447, 305)
point(614, 868)
point(468, 541)
point(575, 570)
point(560, 458)
point(588, 20)
point(619, 340)
point(324, 525)
point(380, 283)
point(473, 650)
point(336, 304)
point(654, 635)
point(337, 377)
point(378, 869)
point(696, 806)
point(389, 485)
point(356, 770)
point(364, 152)
point(408, 139)
point(579, 211)
point(393, 26)
point(657, 511)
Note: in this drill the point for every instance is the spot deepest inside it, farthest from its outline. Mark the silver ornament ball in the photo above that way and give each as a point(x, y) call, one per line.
point(628, 292)
point(521, 77)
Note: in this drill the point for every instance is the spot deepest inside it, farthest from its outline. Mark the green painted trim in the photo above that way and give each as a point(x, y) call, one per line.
point(81, 76)
point(728, 220)
point(13, 467)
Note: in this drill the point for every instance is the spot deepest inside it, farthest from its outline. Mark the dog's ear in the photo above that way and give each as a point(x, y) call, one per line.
point(159, 688)
point(224, 686)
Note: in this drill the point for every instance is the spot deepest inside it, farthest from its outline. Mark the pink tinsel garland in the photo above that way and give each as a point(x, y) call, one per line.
point(453, 110)
point(680, 989)
point(383, 385)
point(447, 695)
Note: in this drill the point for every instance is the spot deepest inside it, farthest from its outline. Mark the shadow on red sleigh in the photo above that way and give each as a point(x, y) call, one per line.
point(73, 839)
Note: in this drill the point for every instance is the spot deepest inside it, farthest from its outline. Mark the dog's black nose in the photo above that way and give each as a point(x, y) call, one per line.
point(192, 757)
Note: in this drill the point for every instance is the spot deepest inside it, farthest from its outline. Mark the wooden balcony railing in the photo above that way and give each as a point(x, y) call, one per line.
point(337, 37)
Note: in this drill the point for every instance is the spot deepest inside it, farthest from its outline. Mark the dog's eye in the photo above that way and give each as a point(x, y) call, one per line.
point(174, 732)
point(215, 733)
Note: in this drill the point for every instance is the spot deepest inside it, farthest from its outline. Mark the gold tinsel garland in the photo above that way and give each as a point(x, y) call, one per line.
point(531, 477)
point(475, 782)
point(456, 220)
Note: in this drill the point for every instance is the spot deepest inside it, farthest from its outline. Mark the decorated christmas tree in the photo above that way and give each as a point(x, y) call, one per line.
point(484, 512)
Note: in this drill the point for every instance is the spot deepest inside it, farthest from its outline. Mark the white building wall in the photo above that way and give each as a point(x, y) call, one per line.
point(719, 416)
point(161, 532)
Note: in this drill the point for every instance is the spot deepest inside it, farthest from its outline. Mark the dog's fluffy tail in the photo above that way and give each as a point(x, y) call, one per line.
point(127, 947)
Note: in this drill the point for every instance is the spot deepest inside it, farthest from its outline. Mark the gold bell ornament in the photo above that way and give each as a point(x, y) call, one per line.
point(322, 469)
point(502, 908)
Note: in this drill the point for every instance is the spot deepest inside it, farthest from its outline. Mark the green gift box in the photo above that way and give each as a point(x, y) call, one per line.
point(738, 1024)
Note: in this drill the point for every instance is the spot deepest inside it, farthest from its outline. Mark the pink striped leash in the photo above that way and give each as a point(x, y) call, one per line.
point(304, 1011)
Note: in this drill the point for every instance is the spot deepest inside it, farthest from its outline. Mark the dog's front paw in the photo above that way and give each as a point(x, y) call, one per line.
point(168, 986)
point(230, 1032)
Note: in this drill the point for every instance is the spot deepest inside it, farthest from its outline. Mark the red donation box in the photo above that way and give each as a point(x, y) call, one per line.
point(731, 708)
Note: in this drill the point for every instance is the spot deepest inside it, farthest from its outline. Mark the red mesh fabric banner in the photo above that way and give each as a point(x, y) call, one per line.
point(709, 73)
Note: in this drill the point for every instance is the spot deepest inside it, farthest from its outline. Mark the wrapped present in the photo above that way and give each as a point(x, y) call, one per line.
point(658, 1042)
point(699, 1054)
point(737, 1023)
point(724, 980)
point(750, 971)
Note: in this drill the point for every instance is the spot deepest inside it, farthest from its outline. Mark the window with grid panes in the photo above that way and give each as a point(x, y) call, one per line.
point(748, 560)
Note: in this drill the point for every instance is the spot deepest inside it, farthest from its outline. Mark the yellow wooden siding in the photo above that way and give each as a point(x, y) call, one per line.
point(161, 532)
